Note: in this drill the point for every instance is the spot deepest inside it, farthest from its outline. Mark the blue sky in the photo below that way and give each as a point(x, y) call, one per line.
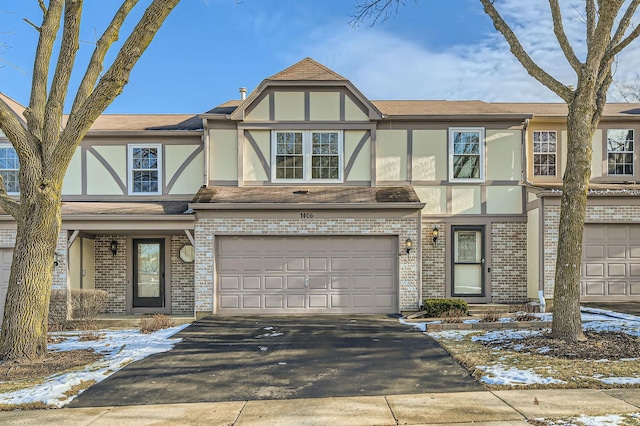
point(207, 49)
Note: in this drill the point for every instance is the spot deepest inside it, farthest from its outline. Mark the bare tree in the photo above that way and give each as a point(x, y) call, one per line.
point(45, 148)
point(609, 30)
point(628, 90)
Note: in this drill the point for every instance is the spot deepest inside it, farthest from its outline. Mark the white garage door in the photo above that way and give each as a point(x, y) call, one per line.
point(6, 256)
point(610, 263)
point(289, 275)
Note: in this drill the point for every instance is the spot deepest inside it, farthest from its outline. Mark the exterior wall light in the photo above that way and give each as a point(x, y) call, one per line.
point(408, 244)
point(114, 247)
point(435, 234)
point(55, 259)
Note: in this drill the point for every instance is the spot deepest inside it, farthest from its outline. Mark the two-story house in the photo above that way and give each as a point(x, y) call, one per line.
point(307, 197)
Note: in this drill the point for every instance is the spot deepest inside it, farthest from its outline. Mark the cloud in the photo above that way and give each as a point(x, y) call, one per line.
point(386, 65)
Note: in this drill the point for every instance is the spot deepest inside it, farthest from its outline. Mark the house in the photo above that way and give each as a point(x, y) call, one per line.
point(307, 197)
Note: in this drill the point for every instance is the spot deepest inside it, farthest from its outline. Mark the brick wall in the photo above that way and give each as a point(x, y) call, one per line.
point(595, 214)
point(433, 262)
point(111, 272)
point(508, 262)
point(206, 228)
point(182, 288)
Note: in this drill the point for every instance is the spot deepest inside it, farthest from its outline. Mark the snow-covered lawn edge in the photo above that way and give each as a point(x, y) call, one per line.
point(119, 347)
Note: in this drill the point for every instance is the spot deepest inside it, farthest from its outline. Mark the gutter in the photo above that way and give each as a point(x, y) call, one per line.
point(307, 206)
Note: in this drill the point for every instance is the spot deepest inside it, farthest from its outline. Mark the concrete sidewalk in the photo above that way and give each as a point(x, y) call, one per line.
point(511, 407)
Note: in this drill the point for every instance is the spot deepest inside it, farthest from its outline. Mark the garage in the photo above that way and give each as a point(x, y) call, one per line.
point(610, 263)
point(311, 274)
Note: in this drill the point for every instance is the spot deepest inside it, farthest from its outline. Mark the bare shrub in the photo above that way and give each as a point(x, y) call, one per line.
point(524, 316)
point(57, 310)
point(491, 315)
point(453, 316)
point(87, 304)
point(154, 323)
point(75, 309)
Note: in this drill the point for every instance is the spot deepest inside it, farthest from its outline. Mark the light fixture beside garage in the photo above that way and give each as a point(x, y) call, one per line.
point(114, 247)
point(408, 244)
point(435, 234)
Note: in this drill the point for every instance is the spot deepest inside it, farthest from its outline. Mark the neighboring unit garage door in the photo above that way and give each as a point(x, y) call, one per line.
point(610, 263)
point(6, 256)
point(282, 275)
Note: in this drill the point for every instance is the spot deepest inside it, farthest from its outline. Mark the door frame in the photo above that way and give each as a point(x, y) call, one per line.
point(166, 308)
point(485, 297)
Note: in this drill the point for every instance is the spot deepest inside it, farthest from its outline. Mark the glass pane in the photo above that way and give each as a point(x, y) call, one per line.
point(467, 246)
point(467, 279)
point(148, 270)
point(466, 167)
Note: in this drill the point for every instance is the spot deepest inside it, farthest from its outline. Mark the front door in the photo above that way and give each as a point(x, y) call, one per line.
point(148, 273)
point(468, 263)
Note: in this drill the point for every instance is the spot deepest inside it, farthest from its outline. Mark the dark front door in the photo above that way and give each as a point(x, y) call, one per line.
point(148, 273)
point(468, 263)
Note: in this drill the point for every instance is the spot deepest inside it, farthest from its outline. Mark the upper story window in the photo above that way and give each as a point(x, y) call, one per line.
point(544, 153)
point(620, 152)
point(307, 156)
point(466, 154)
point(10, 168)
point(145, 169)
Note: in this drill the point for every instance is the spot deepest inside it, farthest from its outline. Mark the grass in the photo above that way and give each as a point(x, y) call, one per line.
point(577, 373)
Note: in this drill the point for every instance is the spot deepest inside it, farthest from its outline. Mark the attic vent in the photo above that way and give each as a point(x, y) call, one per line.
point(301, 192)
point(243, 93)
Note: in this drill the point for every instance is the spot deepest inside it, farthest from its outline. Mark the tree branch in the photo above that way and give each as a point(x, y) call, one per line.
point(522, 56)
point(591, 20)
point(110, 35)
point(7, 203)
point(625, 42)
point(561, 36)
point(13, 128)
point(624, 23)
point(62, 75)
point(378, 9)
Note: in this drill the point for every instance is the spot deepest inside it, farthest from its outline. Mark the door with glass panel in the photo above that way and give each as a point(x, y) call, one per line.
point(468, 262)
point(148, 273)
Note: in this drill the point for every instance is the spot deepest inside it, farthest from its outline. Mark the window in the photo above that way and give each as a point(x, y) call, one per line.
point(544, 153)
point(9, 168)
point(466, 154)
point(144, 169)
point(307, 156)
point(620, 152)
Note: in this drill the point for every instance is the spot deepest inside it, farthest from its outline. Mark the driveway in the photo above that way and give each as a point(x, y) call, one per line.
point(239, 358)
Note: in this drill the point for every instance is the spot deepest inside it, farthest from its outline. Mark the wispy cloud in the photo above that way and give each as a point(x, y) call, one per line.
point(386, 65)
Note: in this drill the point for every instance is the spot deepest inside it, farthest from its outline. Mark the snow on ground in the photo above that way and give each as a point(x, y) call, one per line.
point(500, 375)
point(120, 347)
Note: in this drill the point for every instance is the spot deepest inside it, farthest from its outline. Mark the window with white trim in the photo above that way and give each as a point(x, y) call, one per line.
point(145, 173)
point(306, 156)
point(10, 168)
point(620, 152)
point(545, 153)
point(466, 154)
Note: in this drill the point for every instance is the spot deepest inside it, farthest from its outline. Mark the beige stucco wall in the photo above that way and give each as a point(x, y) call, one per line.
point(429, 160)
point(352, 112)
point(72, 184)
point(434, 197)
point(465, 200)
point(598, 161)
point(504, 199)
point(75, 268)
point(223, 144)
point(260, 111)
point(361, 169)
point(116, 157)
point(533, 250)
point(289, 106)
point(99, 180)
point(88, 263)
point(253, 169)
point(324, 106)
point(192, 176)
point(391, 155)
point(504, 155)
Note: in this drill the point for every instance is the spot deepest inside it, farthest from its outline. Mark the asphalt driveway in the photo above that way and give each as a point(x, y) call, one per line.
point(240, 358)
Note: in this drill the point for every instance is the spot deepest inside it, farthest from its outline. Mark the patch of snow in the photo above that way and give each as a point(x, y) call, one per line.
point(499, 375)
point(119, 347)
point(451, 334)
point(500, 336)
point(282, 363)
point(620, 380)
point(422, 326)
point(263, 348)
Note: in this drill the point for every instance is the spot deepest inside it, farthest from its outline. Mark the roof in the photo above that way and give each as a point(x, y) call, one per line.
point(146, 122)
point(16, 107)
point(595, 189)
point(143, 208)
point(306, 195)
point(307, 69)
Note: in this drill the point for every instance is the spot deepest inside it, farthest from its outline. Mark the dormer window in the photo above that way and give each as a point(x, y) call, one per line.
point(620, 152)
point(145, 169)
point(307, 156)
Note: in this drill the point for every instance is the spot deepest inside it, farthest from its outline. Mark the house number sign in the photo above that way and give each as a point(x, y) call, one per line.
point(306, 215)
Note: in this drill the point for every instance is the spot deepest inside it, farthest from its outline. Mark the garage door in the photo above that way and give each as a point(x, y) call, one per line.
point(6, 255)
point(611, 263)
point(276, 275)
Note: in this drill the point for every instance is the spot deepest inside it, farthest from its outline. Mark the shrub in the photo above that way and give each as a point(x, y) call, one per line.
point(154, 323)
point(524, 316)
point(437, 307)
point(453, 316)
point(57, 310)
point(87, 304)
point(491, 315)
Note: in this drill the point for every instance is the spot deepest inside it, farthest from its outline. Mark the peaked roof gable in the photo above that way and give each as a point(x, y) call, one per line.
point(307, 69)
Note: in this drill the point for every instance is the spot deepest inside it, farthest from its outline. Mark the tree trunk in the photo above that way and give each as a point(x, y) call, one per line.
point(24, 327)
point(567, 324)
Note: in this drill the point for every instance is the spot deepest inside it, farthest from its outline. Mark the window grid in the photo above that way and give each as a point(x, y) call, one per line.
point(544, 153)
point(307, 155)
point(289, 155)
point(145, 169)
point(10, 169)
point(325, 157)
point(466, 154)
point(620, 152)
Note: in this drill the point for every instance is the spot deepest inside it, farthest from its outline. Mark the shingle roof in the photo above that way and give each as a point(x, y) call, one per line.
point(124, 208)
point(147, 122)
point(16, 107)
point(307, 69)
point(310, 194)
